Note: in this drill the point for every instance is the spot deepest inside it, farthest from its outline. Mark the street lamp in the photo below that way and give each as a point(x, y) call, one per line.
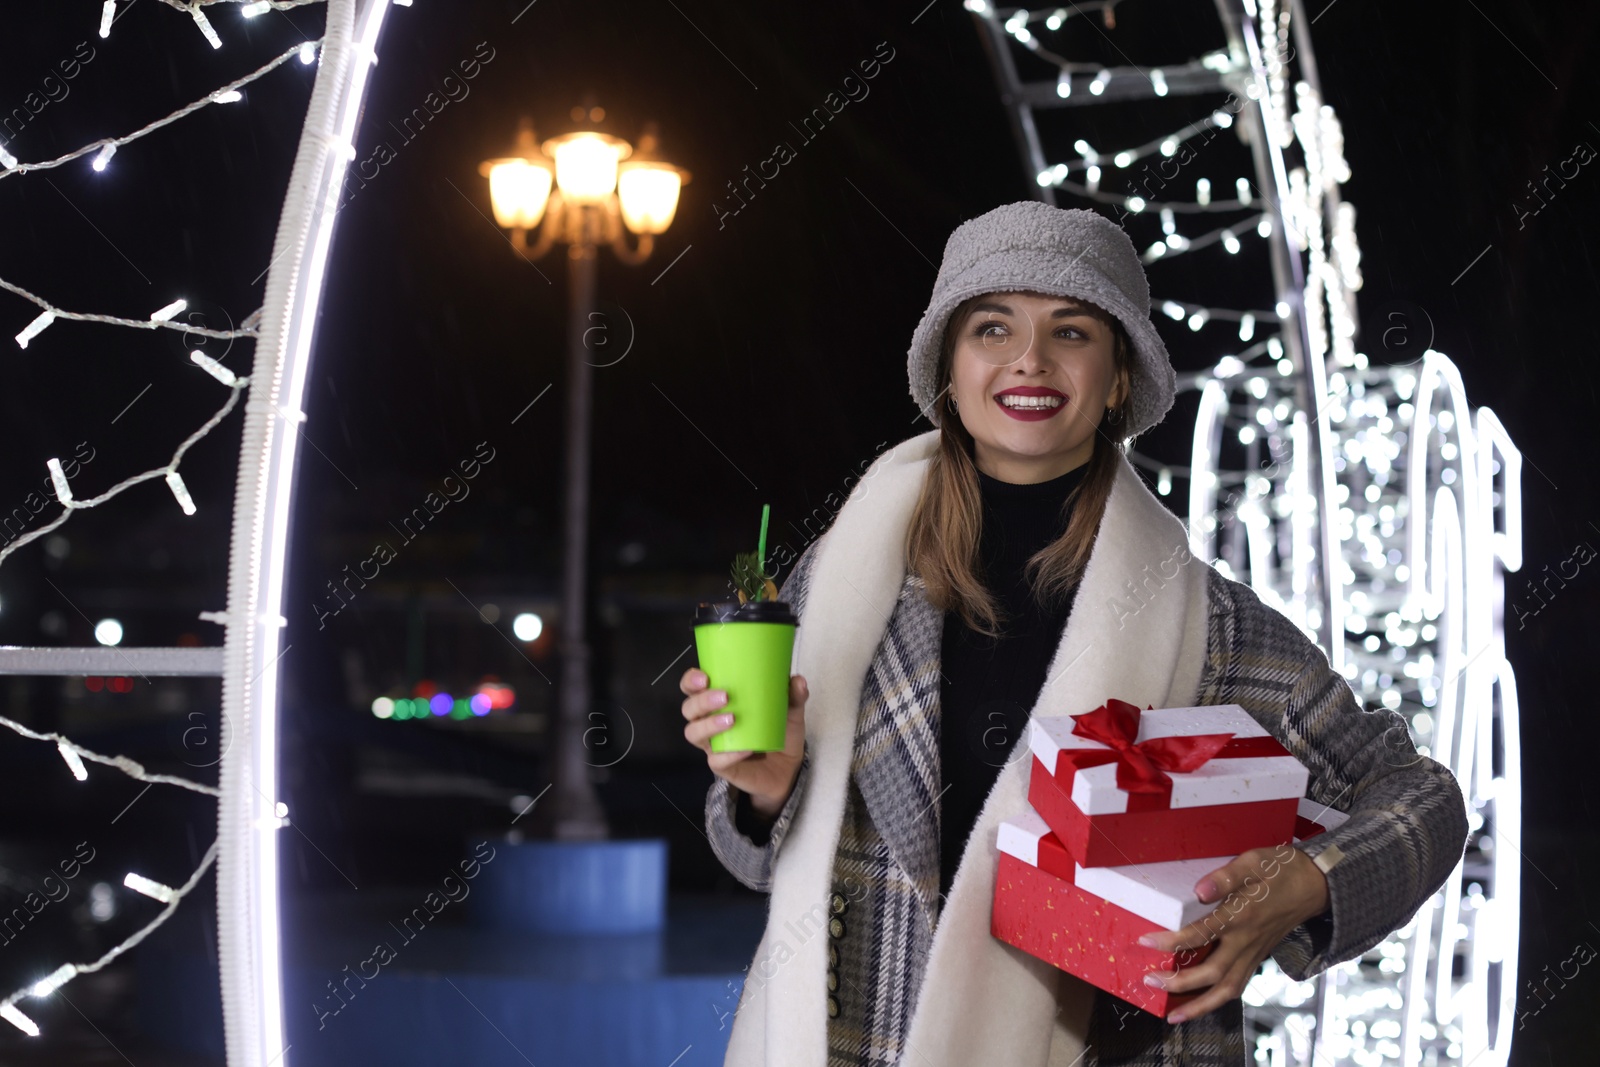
point(583, 189)
point(588, 188)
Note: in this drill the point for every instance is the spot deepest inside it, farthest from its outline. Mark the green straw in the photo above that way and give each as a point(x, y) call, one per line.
point(761, 548)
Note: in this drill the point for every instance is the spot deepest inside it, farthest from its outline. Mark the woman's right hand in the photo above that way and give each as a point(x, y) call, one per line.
point(768, 777)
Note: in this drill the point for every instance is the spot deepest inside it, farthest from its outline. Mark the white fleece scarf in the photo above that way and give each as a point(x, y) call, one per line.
point(1137, 632)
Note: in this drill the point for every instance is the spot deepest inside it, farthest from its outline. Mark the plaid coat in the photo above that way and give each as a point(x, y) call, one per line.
point(1403, 838)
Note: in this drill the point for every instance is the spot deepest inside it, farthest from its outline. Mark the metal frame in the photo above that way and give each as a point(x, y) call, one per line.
point(98, 660)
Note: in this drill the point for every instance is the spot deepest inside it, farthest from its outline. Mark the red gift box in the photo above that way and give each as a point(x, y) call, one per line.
point(1120, 786)
point(1164, 892)
point(1046, 915)
point(1087, 921)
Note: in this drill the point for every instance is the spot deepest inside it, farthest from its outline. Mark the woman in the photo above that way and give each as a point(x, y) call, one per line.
point(1011, 562)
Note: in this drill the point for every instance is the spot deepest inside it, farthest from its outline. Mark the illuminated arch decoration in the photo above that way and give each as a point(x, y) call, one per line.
point(247, 868)
point(249, 815)
point(1369, 503)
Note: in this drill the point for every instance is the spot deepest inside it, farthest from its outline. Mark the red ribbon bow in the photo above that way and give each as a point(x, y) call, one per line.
point(1142, 765)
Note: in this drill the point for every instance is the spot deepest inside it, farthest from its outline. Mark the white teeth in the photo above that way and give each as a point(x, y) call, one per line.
point(1013, 401)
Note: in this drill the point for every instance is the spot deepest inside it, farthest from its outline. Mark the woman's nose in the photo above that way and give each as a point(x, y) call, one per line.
point(1032, 355)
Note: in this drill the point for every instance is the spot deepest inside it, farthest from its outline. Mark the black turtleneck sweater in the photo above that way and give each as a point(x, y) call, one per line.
point(989, 686)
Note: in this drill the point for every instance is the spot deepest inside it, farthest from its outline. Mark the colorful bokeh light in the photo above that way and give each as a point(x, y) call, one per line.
point(489, 697)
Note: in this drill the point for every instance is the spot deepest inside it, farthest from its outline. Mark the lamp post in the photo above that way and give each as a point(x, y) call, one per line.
point(588, 189)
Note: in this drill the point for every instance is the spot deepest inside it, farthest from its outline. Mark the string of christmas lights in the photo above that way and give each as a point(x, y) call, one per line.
point(1016, 24)
point(245, 850)
point(248, 8)
point(1056, 18)
point(1198, 315)
point(1167, 144)
point(194, 8)
point(74, 754)
point(169, 472)
point(1057, 177)
point(1228, 236)
point(162, 318)
point(170, 896)
point(107, 147)
point(1274, 50)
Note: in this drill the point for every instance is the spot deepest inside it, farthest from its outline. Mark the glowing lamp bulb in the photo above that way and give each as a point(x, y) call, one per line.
point(152, 889)
point(73, 760)
point(166, 312)
point(519, 192)
point(586, 166)
point(648, 196)
point(10, 1014)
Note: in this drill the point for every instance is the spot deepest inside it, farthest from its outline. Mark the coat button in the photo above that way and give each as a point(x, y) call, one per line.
point(833, 955)
point(833, 982)
point(833, 1007)
point(839, 904)
point(836, 927)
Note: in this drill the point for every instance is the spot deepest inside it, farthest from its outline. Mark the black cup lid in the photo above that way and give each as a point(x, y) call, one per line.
point(753, 611)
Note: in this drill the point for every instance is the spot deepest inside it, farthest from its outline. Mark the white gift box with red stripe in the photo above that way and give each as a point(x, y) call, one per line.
point(1121, 786)
point(1088, 920)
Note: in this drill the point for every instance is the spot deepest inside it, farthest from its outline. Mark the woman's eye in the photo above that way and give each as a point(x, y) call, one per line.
point(1070, 333)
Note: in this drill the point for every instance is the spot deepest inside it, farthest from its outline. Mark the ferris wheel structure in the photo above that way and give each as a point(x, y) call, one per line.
point(1365, 499)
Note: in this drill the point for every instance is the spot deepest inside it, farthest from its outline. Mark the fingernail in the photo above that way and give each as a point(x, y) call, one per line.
point(1205, 890)
point(1147, 940)
point(1154, 982)
point(719, 698)
point(725, 720)
point(1176, 1017)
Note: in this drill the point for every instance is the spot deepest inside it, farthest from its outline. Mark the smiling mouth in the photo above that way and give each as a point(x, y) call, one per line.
point(1029, 403)
point(1030, 408)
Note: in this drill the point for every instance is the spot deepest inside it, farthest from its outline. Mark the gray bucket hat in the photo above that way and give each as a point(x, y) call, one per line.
point(1033, 247)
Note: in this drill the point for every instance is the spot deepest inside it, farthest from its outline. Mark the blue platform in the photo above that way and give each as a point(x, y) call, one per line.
point(486, 997)
point(571, 887)
point(461, 994)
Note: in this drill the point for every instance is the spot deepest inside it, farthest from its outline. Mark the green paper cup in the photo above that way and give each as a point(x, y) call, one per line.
point(746, 649)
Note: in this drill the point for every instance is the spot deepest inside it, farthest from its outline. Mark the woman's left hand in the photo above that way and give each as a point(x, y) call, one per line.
point(1265, 893)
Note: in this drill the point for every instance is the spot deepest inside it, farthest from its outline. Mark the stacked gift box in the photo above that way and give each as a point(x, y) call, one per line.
point(1128, 810)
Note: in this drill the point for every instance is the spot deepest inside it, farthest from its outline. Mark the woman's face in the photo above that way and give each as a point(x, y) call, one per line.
point(1032, 376)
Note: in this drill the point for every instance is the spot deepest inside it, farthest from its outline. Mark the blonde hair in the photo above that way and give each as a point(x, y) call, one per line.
point(942, 541)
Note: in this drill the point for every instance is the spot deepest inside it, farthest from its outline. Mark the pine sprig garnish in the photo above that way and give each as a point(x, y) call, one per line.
point(747, 577)
point(748, 568)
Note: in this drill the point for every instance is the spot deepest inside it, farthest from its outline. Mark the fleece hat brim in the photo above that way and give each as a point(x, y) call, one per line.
point(1030, 246)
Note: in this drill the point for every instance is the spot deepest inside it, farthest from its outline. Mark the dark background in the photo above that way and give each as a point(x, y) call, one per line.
point(765, 365)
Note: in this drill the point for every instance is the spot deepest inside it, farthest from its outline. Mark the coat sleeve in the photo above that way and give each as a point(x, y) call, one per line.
point(1407, 818)
point(745, 843)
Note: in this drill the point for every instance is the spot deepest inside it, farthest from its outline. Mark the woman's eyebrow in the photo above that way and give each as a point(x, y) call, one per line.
point(1070, 310)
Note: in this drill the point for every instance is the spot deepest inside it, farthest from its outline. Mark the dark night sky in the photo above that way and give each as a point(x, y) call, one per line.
point(769, 362)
